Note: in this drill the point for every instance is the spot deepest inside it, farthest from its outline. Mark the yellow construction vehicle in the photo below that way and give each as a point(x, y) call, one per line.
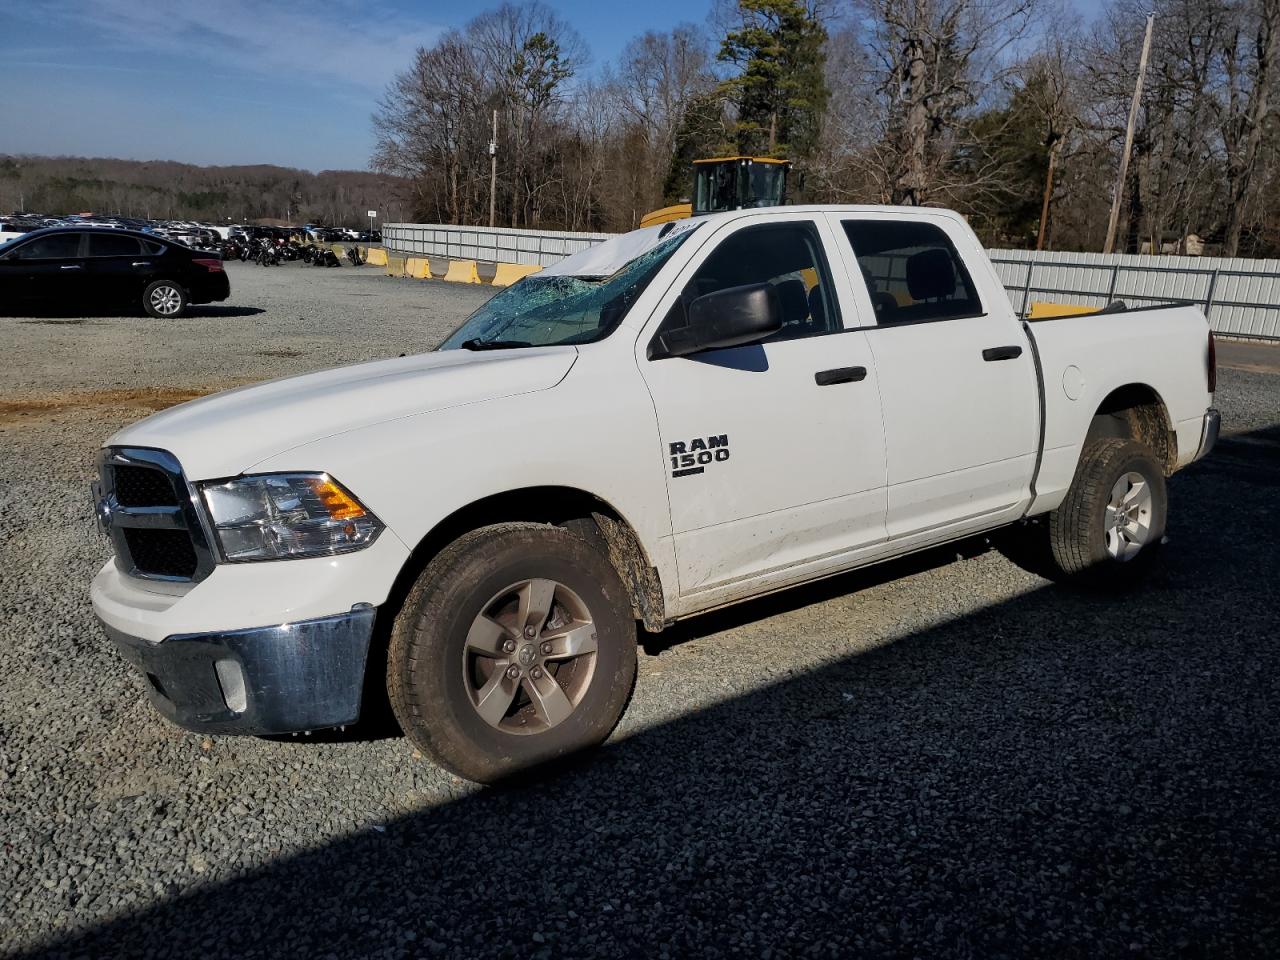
point(729, 183)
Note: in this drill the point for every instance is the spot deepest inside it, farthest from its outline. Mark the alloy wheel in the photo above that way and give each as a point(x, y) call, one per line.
point(529, 656)
point(166, 300)
point(1127, 517)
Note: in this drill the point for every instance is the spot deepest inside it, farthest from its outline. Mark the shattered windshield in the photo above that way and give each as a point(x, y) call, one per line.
point(555, 310)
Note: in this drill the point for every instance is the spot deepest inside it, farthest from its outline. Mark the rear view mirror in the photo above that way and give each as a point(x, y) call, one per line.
point(726, 318)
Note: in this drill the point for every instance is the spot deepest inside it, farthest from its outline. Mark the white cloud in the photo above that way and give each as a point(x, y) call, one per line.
point(322, 42)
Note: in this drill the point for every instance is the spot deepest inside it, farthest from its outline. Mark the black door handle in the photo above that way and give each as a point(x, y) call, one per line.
point(824, 378)
point(1001, 353)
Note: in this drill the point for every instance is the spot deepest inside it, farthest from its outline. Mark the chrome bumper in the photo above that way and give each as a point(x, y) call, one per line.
point(1209, 436)
point(282, 679)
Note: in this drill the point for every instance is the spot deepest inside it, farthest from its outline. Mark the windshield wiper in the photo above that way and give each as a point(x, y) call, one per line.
point(478, 344)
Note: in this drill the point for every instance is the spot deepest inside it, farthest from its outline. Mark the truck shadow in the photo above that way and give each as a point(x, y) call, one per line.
point(1058, 774)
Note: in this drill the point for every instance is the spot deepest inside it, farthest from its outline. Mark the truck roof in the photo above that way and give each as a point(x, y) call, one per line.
point(607, 258)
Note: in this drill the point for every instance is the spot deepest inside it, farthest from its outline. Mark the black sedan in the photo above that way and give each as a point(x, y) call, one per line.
point(80, 266)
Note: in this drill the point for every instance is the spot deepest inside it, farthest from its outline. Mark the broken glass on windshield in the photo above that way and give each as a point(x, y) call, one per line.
point(555, 310)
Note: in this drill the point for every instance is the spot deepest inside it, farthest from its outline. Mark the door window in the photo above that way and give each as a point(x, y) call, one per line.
point(786, 255)
point(113, 245)
point(55, 246)
point(912, 270)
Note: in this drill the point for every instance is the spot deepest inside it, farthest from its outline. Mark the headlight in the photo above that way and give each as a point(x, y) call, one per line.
point(281, 516)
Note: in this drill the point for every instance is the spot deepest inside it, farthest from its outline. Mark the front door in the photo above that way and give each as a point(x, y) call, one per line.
point(774, 451)
point(47, 269)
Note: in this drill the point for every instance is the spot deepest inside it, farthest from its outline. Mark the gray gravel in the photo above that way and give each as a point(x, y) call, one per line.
point(942, 757)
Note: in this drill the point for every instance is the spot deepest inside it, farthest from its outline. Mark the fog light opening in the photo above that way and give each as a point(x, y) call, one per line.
point(231, 682)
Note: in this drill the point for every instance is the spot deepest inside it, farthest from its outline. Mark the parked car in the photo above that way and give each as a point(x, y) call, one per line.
point(88, 267)
point(12, 227)
point(684, 417)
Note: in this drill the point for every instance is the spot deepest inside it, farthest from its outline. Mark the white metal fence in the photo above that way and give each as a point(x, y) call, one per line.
point(1240, 297)
point(497, 244)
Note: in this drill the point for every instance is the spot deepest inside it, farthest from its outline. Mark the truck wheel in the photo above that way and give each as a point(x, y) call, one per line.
point(516, 646)
point(1108, 529)
point(164, 299)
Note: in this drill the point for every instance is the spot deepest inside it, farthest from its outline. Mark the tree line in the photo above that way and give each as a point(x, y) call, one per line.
point(1010, 111)
point(165, 190)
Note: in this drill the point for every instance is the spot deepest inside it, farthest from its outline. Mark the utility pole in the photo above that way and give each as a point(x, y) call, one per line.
point(1048, 193)
point(1128, 139)
point(493, 172)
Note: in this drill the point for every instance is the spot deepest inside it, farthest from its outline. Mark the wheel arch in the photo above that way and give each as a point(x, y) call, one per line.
point(586, 514)
point(1136, 411)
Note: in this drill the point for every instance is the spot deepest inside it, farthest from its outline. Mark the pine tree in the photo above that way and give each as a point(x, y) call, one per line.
point(780, 91)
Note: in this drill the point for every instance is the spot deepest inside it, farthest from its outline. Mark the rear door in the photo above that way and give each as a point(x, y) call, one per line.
point(774, 452)
point(957, 378)
point(48, 269)
point(119, 266)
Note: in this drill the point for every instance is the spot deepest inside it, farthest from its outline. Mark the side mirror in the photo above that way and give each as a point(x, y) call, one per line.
point(726, 318)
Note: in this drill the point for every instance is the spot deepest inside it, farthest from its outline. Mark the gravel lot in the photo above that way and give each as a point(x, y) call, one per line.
point(943, 757)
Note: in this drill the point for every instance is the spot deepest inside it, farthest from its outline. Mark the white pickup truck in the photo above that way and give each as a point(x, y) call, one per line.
point(680, 418)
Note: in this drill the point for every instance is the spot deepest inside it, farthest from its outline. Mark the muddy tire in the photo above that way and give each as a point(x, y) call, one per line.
point(516, 647)
point(1108, 531)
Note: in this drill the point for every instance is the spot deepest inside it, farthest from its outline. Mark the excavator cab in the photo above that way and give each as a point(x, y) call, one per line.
point(729, 183)
point(738, 183)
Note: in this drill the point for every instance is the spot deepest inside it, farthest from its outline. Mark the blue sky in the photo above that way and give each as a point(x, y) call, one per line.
point(239, 81)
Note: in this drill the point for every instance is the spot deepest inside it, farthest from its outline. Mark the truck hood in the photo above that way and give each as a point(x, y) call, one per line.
point(225, 434)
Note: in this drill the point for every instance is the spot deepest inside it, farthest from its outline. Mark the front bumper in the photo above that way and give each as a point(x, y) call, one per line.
point(281, 679)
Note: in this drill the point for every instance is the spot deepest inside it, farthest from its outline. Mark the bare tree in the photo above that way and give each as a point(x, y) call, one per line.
point(936, 60)
point(1052, 84)
point(1203, 128)
point(426, 128)
point(529, 55)
point(657, 78)
point(1250, 50)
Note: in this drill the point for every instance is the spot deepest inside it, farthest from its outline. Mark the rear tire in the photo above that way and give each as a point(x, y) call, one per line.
point(165, 299)
point(1108, 531)
point(515, 647)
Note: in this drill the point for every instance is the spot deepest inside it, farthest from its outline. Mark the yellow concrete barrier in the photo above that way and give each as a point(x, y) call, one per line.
point(462, 271)
point(509, 273)
point(454, 271)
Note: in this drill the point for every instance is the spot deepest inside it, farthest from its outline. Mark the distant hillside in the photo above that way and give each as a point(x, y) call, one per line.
point(162, 189)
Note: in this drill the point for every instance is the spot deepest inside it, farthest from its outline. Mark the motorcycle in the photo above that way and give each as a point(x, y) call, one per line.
point(235, 250)
point(268, 255)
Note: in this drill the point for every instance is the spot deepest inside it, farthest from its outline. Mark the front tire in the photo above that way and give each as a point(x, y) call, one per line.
point(1108, 530)
point(515, 647)
point(165, 299)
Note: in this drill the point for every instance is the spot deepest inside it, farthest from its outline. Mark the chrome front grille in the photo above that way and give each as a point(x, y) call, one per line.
point(149, 511)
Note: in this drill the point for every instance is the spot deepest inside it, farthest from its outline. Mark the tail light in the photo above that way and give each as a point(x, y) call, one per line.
point(1212, 364)
point(215, 266)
